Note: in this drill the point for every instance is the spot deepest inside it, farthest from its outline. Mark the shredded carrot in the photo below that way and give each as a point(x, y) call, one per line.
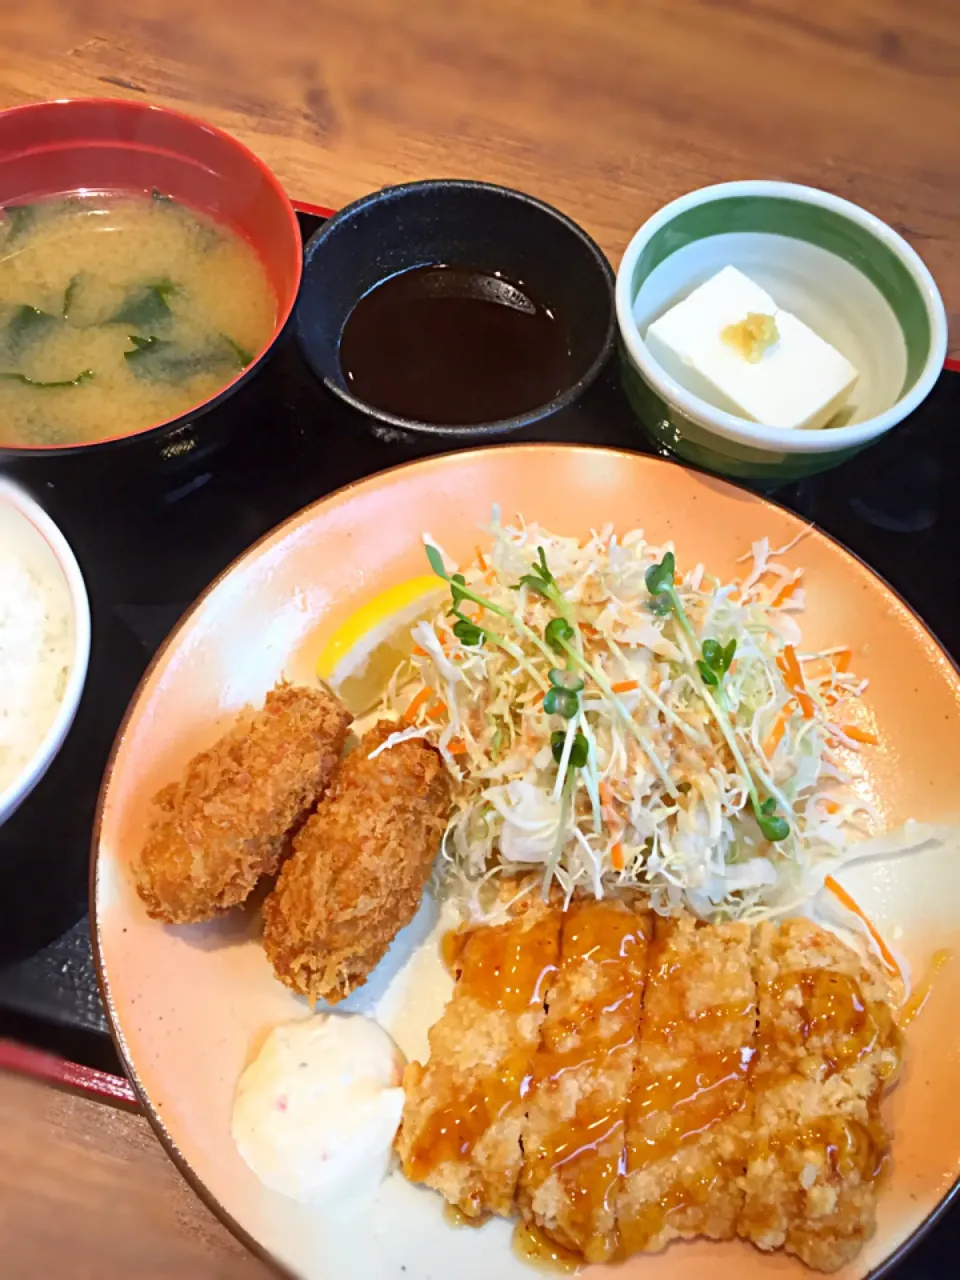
point(805, 703)
point(785, 593)
point(419, 651)
point(772, 740)
point(424, 696)
point(616, 856)
point(860, 735)
point(538, 698)
point(588, 630)
point(831, 806)
point(790, 666)
point(457, 747)
point(625, 686)
point(842, 660)
point(840, 893)
point(606, 795)
point(437, 711)
point(480, 560)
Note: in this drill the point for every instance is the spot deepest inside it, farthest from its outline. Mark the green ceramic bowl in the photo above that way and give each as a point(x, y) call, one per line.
point(841, 270)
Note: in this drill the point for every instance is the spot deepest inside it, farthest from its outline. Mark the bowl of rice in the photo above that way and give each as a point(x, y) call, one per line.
point(44, 643)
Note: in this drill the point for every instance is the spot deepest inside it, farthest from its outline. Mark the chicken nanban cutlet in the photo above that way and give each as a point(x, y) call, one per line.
point(827, 1048)
point(225, 822)
point(574, 1134)
point(688, 1118)
point(747, 1103)
point(465, 1109)
point(359, 867)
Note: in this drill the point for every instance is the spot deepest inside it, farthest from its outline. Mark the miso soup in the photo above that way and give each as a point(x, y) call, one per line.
point(118, 312)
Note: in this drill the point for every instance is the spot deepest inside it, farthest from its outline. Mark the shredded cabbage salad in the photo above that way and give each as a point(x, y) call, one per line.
point(615, 720)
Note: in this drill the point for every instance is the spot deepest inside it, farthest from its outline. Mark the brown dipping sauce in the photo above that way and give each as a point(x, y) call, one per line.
point(455, 346)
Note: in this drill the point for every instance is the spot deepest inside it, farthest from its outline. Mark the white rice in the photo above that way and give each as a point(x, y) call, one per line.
point(34, 662)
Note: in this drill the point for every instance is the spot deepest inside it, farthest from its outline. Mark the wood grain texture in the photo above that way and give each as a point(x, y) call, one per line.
point(87, 1193)
point(606, 108)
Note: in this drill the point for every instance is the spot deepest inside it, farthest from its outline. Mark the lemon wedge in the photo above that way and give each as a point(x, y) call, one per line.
point(365, 650)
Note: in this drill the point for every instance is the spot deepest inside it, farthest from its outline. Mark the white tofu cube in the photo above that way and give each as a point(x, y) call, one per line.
point(798, 381)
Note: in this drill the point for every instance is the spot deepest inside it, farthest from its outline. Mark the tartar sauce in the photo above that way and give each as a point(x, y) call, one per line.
point(317, 1110)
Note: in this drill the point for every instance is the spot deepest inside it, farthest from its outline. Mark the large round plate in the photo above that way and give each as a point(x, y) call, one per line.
point(188, 1003)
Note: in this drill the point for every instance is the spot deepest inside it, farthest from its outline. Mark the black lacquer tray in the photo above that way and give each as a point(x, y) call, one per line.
point(151, 531)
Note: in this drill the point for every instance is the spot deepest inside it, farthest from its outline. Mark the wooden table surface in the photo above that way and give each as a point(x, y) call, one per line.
point(606, 108)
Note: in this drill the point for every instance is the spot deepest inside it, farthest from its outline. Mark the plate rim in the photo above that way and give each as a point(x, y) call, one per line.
point(885, 1268)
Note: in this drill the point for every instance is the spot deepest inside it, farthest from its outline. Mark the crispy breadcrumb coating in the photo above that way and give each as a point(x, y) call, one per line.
point(359, 867)
point(225, 822)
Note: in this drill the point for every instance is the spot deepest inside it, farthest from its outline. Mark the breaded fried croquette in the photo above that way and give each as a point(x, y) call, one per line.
point(359, 867)
point(574, 1135)
point(689, 1111)
point(827, 1048)
point(464, 1112)
point(225, 823)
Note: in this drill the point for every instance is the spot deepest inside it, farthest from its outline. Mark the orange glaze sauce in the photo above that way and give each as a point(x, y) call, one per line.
point(694, 1075)
point(846, 1154)
point(587, 1155)
point(613, 940)
point(836, 1025)
point(670, 1108)
point(591, 1032)
point(851, 1147)
point(830, 1026)
point(455, 1217)
point(505, 969)
point(638, 1227)
point(532, 1246)
point(452, 1131)
point(921, 992)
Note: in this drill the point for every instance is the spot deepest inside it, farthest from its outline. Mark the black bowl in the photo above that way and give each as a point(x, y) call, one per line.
point(465, 224)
